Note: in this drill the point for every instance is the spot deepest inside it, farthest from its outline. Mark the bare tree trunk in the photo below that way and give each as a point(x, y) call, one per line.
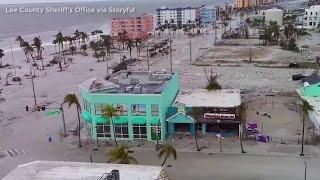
point(165, 159)
point(79, 128)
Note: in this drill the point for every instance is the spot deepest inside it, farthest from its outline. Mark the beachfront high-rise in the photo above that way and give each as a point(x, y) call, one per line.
point(208, 15)
point(312, 17)
point(136, 27)
point(177, 16)
point(141, 99)
point(244, 3)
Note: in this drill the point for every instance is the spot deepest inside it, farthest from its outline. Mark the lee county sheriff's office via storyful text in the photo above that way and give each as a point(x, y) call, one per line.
point(68, 9)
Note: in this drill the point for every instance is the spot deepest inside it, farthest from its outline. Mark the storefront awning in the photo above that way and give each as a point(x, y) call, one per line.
point(180, 118)
point(138, 120)
point(155, 121)
point(120, 120)
point(100, 120)
point(86, 117)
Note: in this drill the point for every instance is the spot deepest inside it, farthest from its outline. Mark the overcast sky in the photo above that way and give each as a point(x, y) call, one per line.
point(40, 1)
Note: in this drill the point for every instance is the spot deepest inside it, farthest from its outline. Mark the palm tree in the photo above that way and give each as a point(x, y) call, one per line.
point(123, 37)
point(305, 108)
point(121, 155)
point(38, 45)
point(84, 37)
point(55, 42)
point(110, 112)
point(1, 55)
point(20, 40)
point(138, 43)
point(95, 47)
point(60, 40)
point(130, 45)
point(107, 43)
point(243, 116)
point(72, 99)
point(196, 116)
point(77, 36)
point(72, 50)
point(167, 150)
point(28, 51)
point(84, 49)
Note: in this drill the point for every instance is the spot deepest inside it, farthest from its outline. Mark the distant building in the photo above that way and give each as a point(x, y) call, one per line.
point(139, 26)
point(218, 113)
point(177, 16)
point(312, 17)
point(141, 99)
point(275, 15)
point(244, 3)
point(292, 5)
point(58, 170)
point(208, 15)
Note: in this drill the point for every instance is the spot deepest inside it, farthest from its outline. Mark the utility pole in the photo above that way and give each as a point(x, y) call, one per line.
point(63, 121)
point(14, 66)
point(148, 56)
point(250, 58)
point(215, 33)
point(33, 89)
point(305, 170)
point(170, 43)
point(190, 49)
point(302, 138)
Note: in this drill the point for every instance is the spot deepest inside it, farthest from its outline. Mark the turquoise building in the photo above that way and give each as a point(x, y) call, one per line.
point(310, 85)
point(141, 99)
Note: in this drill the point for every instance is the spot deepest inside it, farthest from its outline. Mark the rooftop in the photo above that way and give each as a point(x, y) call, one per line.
point(128, 82)
point(314, 78)
point(220, 98)
point(61, 170)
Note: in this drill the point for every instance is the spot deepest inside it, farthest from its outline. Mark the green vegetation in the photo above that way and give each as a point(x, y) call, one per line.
point(212, 81)
point(109, 112)
point(167, 150)
point(71, 99)
point(271, 34)
point(121, 155)
point(290, 36)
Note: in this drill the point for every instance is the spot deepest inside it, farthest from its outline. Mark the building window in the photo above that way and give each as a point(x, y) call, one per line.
point(310, 13)
point(121, 109)
point(138, 109)
point(139, 131)
point(86, 105)
point(98, 108)
point(103, 130)
point(310, 23)
point(156, 132)
point(121, 130)
point(154, 109)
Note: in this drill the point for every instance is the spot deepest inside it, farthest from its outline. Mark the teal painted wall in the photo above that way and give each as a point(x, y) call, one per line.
point(311, 91)
point(163, 100)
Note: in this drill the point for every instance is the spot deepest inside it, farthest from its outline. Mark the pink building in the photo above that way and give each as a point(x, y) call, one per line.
point(135, 27)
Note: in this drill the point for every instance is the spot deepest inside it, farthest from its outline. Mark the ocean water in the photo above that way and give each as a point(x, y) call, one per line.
point(46, 25)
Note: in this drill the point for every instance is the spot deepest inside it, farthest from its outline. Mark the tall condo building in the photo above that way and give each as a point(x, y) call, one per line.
point(312, 17)
point(177, 15)
point(208, 15)
point(139, 26)
point(244, 3)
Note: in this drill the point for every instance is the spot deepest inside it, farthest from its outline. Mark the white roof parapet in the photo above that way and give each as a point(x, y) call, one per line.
point(61, 170)
point(202, 98)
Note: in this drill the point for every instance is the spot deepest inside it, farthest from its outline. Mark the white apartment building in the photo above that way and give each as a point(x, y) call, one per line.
point(312, 17)
point(178, 15)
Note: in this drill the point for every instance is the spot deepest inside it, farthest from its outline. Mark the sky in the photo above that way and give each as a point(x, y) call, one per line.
point(40, 1)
